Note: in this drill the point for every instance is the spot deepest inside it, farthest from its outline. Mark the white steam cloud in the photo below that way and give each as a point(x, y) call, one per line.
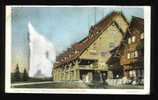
point(42, 54)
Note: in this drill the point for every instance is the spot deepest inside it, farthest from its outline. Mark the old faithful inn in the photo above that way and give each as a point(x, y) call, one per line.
point(86, 60)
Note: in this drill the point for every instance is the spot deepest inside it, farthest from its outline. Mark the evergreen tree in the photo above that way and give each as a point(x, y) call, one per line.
point(25, 75)
point(17, 74)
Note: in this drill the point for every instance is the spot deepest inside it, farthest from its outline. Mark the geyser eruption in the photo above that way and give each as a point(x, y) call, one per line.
point(42, 54)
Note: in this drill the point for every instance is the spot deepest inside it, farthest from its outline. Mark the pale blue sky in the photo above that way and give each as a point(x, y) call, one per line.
point(61, 25)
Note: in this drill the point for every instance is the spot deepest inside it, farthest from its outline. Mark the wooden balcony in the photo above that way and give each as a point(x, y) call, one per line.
point(88, 67)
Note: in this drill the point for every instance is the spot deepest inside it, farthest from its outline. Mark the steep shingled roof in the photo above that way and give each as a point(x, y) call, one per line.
point(95, 31)
point(136, 23)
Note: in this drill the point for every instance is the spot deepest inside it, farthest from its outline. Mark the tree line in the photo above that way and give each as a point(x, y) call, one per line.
point(18, 76)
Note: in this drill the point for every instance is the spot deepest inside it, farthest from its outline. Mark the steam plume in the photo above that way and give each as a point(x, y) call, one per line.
point(42, 54)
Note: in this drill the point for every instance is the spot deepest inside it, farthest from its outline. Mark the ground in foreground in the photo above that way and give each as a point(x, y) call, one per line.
point(74, 85)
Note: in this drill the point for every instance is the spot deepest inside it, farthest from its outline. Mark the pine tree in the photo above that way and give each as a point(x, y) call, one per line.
point(25, 75)
point(17, 74)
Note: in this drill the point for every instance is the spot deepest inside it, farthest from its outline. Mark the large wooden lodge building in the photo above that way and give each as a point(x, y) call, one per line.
point(127, 59)
point(88, 59)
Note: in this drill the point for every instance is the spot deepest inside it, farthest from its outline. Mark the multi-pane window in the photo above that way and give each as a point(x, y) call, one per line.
point(128, 56)
point(132, 73)
point(132, 55)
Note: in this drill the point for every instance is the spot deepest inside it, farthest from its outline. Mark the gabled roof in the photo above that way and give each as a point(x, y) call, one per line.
point(95, 31)
point(136, 23)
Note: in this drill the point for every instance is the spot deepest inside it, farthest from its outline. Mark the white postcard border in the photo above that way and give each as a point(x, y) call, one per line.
point(147, 34)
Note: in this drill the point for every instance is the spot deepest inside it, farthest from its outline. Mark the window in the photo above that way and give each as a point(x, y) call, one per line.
point(133, 39)
point(136, 54)
point(70, 55)
point(92, 50)
point(142, 36)
point(111, 44)
point(132, 73)
point(129, 40)
point(128, 56)
point(76, 51)
point(113, 24)
point(132, 55)
point(113, 33)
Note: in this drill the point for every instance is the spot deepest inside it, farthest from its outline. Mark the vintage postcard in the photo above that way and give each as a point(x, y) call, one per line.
point(78, 49)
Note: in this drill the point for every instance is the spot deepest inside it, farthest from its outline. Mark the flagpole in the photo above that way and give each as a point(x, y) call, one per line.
point(94, 15)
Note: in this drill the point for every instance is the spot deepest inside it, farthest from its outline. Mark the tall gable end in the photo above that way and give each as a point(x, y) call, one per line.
point(99, 30)
point(122, 22)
